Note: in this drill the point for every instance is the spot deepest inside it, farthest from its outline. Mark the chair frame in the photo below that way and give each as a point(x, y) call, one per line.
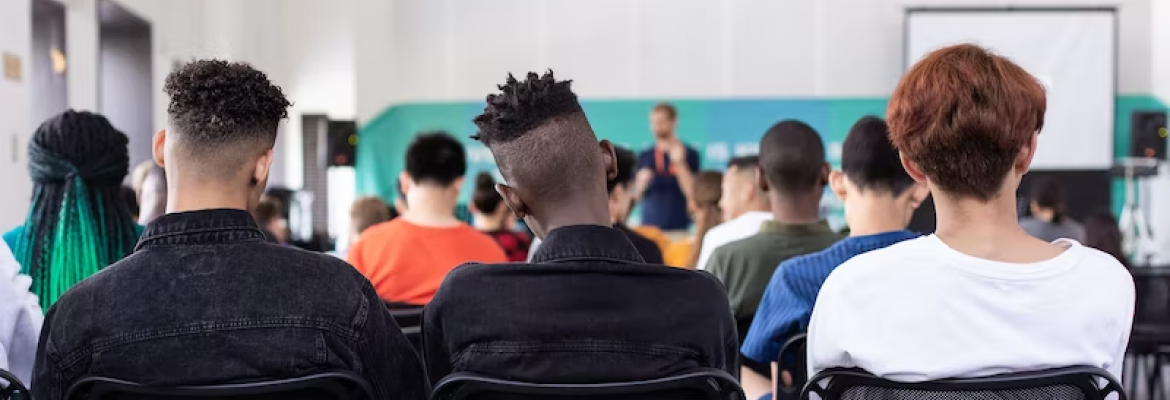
point(800, 339)
point(842, 379)
point(14, 385)
point(713, 383)
point(101, 387)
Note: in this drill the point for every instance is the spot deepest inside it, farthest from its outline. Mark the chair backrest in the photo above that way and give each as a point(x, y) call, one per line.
point(1067, 383)
point(339, 385)
point(705, 384)
point(407, 317)
point(794, 359)
point(11, 388)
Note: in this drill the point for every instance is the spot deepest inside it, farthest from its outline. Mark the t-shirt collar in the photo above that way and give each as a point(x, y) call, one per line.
point(773, 226)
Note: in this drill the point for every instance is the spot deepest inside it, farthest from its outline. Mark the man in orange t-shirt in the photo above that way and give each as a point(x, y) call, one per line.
point(407, 258)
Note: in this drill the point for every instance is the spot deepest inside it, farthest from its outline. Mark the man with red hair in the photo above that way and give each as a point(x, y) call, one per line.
point(980, 296)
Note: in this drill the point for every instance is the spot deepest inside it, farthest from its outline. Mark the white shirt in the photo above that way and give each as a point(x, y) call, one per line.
point(20, 319)
point(920, 310)
point(738, 228)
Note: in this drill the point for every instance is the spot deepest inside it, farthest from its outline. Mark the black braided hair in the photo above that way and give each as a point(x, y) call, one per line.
point(78, 223)
point(522, 106)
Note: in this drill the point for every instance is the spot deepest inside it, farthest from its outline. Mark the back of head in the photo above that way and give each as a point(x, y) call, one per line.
point(706, 194)
point(223, 117)
point(961, 115)
point(792, 157)
point(78, 222)
point(368, 211)
point(435, 158)
point(870, 160)
point(626, 162)
point(1049, 194)
point(1102, 233)
point(542, 143)
point(266, 212)
point(486, 199)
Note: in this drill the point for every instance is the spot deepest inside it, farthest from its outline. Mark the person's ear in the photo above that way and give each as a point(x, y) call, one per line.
point(918, 194)
point(826, 169)
point(912, 169)
point(262, 168)
point(512, 199)
point(456, 185)
point(608, 159)
point(1024, 157)
point(761, 180)
point(404, 183)
point(158, 148)
point(837, 184)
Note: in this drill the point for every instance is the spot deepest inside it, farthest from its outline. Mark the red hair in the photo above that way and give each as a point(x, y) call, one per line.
point(961, 114)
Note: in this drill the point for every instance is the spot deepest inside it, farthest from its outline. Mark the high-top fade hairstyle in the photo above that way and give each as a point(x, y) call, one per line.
point(222, 114)
point(792, 157)
point(962, 114)
point(435, 157)
point(549, 165)
point(870, 160)
point(78, 223)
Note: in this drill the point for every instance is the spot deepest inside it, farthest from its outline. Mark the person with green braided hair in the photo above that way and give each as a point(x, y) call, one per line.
point(78, 222)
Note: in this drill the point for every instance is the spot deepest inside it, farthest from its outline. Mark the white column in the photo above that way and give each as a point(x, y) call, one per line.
point(15, 108)
point(81, 53)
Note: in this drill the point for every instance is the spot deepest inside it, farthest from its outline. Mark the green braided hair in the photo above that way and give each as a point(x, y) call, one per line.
point(78, 223)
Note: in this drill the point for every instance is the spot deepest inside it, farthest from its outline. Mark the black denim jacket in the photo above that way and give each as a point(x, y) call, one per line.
point(206, 299)
point(587, 310)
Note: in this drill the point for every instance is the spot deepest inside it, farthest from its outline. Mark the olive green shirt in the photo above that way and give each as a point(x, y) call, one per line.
point(745, 266)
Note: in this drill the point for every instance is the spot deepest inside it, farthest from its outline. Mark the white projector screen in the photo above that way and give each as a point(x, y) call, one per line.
point(1072, 52)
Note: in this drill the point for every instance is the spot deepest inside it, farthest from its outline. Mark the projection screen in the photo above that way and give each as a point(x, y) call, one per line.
point(1071, 51)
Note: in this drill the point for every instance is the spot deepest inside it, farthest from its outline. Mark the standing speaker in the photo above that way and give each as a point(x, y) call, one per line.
point(342, 141)
point(1148, 134)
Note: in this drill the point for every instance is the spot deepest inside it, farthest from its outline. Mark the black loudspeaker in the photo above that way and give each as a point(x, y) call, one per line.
point(342, 141)
point(1148, 134)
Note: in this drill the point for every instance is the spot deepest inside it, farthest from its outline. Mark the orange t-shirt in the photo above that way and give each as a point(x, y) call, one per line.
point(678, 254)
point(407, 262)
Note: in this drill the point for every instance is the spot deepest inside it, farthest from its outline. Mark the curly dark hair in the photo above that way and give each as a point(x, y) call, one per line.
point(218, 105)
point(435, 157)
point(522, 106)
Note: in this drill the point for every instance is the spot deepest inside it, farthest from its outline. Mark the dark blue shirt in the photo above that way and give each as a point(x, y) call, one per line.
point(792, 291)
point(663, 202)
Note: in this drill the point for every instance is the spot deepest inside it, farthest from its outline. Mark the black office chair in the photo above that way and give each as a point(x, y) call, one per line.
point(406, 317)
point(794, 359)
point(706, 384)
point(1149, 341)
point(328, 385)
point(12, 388)
point(1068, 383)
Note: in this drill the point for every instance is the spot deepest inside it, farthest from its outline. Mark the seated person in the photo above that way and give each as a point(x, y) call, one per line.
point(704, 207)
point(980, 296)
point(557, 320)
point(744, 207)
point(793, 174)
point(621, 203)
point(364, 213)
point(1049, 221)
point(20, 319)
point(493, 218)
point(879, 199)
point(407, 258)
point(205, 299)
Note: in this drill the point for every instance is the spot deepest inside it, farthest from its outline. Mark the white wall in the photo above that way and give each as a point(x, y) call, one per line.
point(428, 50)
point(1160, 48)
point(49, 94)
point(15, 108)
point(125, 90)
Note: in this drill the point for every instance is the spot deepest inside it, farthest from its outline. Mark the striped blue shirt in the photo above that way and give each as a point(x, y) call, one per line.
point(788, 300)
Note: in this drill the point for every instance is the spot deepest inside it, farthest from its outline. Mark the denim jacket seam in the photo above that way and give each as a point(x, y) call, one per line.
point(614, 259)
point(147, 240)
point(97, 347)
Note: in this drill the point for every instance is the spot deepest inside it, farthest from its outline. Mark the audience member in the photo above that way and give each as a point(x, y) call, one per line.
point(1102, 233)
point(745, 207)
point(205, 299)
point(408, 257)
point(665, 173)
point(879, 199)
point(138, 175)
point(78, 223)
point(980, 296)
point(621, 203)
point(493, 218)
point(554, 321)
point(364, 213)
point(267, 214)
point(706, 213)
point(1049, 221)
point(20, 319)
point(152, 194)
point(793, 174)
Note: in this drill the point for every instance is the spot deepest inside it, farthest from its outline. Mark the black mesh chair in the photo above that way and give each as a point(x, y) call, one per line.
point(1068, 383)
point(11, 388)
point(329, 385)
point(794, 359)
point(1149, 343)
point(707, 384)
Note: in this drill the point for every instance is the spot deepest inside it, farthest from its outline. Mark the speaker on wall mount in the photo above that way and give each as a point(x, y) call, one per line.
point(342, 143)
point(1148, 133)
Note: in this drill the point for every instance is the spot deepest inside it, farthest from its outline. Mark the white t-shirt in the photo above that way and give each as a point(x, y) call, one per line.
point(20, 319)
point(741, 227)
point(920, 310)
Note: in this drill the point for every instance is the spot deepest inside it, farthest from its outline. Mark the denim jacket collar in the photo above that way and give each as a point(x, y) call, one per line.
point(586, 242)
point(201, 227)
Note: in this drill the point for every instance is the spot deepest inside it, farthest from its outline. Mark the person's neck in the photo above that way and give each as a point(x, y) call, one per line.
point(981, 229)
point(488, 223)
point(184, 196)
point(431, 207)
point(875, 215)
point(581, 211)
point(762, 206)
point(664, 143)
point(796, 210)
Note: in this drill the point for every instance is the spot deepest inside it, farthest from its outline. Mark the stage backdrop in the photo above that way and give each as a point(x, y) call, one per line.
point(720, 129)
